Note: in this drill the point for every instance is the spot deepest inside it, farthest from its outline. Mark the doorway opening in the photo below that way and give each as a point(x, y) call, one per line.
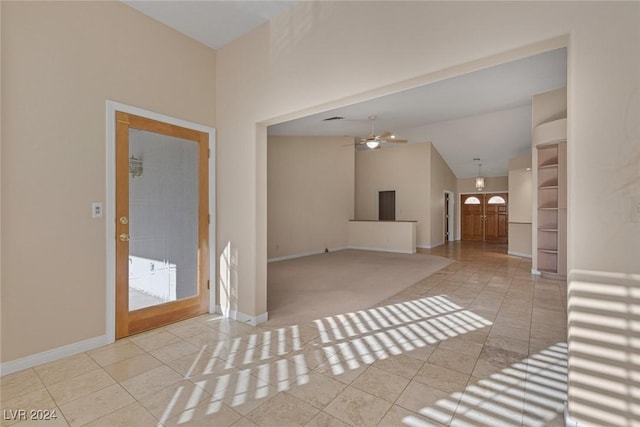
point(387, 205)
point(328, 121)
point(449, 216)
point(160, 192)
point(485, 217)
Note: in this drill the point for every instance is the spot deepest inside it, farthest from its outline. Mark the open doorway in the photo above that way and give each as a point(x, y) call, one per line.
point(386, 205)
point(452, 133)
point(449, 215)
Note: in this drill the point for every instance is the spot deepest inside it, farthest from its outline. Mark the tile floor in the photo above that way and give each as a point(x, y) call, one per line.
point(479, 343)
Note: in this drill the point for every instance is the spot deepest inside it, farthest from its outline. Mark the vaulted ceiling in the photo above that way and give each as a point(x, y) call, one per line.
point(485, 114)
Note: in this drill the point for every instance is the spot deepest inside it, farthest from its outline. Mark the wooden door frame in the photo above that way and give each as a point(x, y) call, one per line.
point(110, 213)
point(459, 211)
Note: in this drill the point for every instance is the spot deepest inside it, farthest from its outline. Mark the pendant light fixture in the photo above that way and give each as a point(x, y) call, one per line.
point(479, 178)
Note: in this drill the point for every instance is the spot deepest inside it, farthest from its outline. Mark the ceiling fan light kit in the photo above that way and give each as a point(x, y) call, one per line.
point(372, 144)
point(374, 141)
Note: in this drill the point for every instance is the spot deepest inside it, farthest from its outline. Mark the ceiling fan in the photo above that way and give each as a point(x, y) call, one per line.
point(373, 141)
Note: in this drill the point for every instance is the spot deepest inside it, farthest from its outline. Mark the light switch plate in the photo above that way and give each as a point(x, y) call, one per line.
point(96, 210)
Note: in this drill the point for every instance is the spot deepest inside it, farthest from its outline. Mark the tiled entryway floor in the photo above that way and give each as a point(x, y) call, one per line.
point(479, 343)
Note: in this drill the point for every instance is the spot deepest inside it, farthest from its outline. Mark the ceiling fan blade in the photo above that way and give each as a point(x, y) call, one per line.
point(389, 137)
point(369, 139)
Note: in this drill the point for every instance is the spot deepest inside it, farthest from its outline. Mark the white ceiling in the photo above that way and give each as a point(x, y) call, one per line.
point(486, 114)
point(212, 22)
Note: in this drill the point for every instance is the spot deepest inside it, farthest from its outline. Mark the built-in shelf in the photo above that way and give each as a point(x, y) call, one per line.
point(551, 212)
point(550, 132)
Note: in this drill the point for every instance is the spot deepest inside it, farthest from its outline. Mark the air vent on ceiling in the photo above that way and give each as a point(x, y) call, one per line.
point(332, 118)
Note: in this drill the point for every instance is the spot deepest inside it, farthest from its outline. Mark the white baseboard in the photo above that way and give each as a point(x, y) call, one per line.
point(303, 254)
point(318, 252)
point(568, 420)
point(429, 246)
point(520, 254)
point(241, 317)
point(53, 354)
point(397, 251)
point(536, 272)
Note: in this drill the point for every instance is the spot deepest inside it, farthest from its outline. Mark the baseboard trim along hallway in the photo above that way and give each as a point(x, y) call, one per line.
point(53, 354)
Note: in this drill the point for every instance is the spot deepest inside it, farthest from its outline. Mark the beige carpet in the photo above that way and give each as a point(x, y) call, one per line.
point(317, 286)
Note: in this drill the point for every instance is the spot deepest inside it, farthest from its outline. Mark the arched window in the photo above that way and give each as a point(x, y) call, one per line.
point(473, 200)
point(496, 200)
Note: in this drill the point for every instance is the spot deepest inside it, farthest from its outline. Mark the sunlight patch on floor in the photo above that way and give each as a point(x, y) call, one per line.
point(528, 393)
point(347, 342)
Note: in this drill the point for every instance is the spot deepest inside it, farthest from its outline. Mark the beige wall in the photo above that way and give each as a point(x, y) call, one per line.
point(548, 106)
point(403, 168)
point(388, 236)
point(60, 62)
point(442, 179)
point(311, 191)
point(520, 190)
point(491, 184)
point(1, 175)
point(520, 206)
point(520, 235)
point(310, 194)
